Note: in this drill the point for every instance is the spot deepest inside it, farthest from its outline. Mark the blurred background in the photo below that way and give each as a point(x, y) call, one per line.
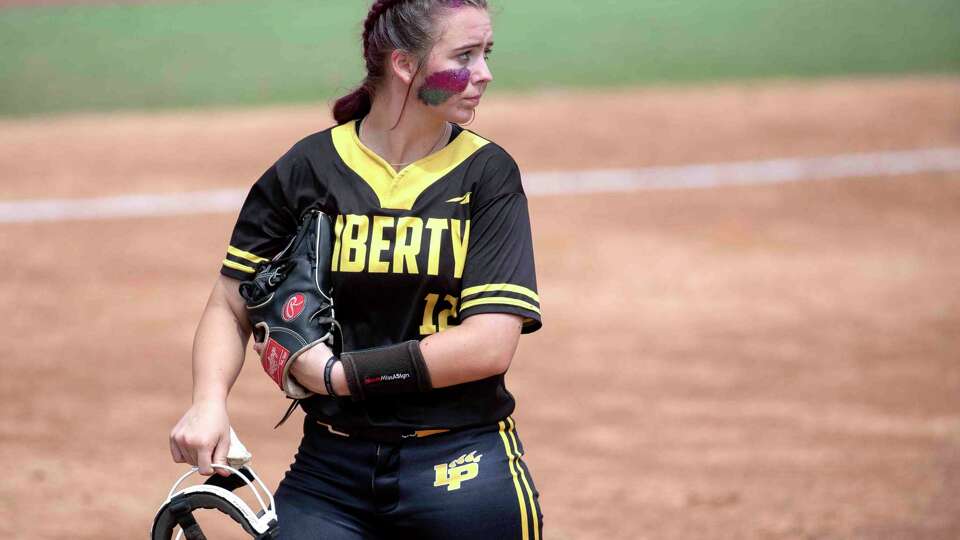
point(746, 218)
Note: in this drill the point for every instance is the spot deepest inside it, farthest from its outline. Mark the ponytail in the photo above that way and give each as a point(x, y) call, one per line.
point(358, 103)
point(353, 106)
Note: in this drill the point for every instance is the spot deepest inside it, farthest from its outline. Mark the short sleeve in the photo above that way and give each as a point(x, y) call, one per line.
point(500, 276)
point(263, 227)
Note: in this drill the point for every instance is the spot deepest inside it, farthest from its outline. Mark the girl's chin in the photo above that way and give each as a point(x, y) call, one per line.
point(462, 115)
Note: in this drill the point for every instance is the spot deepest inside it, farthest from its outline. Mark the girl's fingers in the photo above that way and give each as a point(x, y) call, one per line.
point(175, 452)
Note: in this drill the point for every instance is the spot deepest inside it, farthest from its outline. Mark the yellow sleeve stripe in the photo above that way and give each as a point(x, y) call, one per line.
point(237, 266)
point(500, 300)
point(245, 255)
point(499, 287)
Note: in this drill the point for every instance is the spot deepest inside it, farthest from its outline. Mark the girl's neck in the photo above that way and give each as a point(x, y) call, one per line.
point(412, 139)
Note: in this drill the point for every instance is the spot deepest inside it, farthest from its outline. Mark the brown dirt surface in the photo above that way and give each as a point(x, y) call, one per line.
point(87, 155)
point(775, 361)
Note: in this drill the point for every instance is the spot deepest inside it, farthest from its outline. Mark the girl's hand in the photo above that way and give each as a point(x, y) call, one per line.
point(202, 437)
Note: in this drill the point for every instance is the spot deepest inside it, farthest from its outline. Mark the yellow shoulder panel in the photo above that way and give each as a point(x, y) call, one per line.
point(399, 190)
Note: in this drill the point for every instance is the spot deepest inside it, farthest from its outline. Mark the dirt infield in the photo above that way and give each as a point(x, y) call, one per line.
point(742, 362)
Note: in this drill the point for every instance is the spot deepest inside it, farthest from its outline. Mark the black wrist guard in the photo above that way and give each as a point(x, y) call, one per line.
point(383, 371)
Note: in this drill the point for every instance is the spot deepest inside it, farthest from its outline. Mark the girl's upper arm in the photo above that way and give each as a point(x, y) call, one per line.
point(226, 294)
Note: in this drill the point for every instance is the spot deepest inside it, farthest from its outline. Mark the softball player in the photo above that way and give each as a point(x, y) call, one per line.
point(433, 247)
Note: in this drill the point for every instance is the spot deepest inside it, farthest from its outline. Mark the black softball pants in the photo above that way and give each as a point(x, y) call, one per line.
point(466, 484)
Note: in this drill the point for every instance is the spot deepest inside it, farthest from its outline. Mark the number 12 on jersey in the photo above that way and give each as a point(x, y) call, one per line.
point(434, 322)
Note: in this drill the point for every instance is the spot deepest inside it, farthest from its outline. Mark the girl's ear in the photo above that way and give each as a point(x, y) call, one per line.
point(404, 65)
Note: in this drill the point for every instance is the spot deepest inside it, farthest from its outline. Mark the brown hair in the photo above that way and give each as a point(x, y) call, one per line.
point(407, 25)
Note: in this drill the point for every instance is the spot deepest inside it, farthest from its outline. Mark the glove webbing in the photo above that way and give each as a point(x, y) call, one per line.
point(293, 405)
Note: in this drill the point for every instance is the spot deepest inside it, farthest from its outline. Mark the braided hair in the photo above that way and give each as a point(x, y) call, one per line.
point(406, 25)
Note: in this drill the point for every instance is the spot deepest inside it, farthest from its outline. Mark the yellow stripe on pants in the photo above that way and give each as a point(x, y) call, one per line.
point(513, 471)
point(523, 476)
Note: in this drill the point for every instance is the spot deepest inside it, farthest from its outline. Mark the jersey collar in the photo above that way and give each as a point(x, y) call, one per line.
point(399, 190)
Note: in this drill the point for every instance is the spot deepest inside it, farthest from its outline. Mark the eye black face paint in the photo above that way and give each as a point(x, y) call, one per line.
point(442, 85)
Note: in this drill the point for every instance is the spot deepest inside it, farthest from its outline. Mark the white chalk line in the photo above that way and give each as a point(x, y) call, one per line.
point(541, 183)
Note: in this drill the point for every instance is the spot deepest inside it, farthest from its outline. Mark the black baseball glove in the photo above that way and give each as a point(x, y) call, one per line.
point(290, 302)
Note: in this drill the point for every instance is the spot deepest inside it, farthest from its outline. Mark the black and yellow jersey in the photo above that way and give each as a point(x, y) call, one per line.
point(416, 251)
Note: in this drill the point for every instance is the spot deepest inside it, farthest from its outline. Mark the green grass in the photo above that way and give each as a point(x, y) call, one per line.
point(191, 54)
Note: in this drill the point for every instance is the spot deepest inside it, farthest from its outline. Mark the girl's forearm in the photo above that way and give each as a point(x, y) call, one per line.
point(220, 343)
point(481, 347)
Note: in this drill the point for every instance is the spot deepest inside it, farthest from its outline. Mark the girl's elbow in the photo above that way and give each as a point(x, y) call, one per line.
point(494, 337)
point(499, 362)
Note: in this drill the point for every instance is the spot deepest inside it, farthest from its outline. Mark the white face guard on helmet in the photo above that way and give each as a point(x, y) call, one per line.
point(217, 494)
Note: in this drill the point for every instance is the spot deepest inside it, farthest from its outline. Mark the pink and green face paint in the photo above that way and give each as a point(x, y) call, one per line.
point(443, 85)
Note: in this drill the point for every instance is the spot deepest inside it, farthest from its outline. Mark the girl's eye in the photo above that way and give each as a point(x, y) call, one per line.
point(465, 56)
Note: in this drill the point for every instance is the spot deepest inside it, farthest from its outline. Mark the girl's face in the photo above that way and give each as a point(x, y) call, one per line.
point(456, 74)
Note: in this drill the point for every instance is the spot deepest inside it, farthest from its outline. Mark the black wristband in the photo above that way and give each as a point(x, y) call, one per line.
point(327, 369)
point(395, 369)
